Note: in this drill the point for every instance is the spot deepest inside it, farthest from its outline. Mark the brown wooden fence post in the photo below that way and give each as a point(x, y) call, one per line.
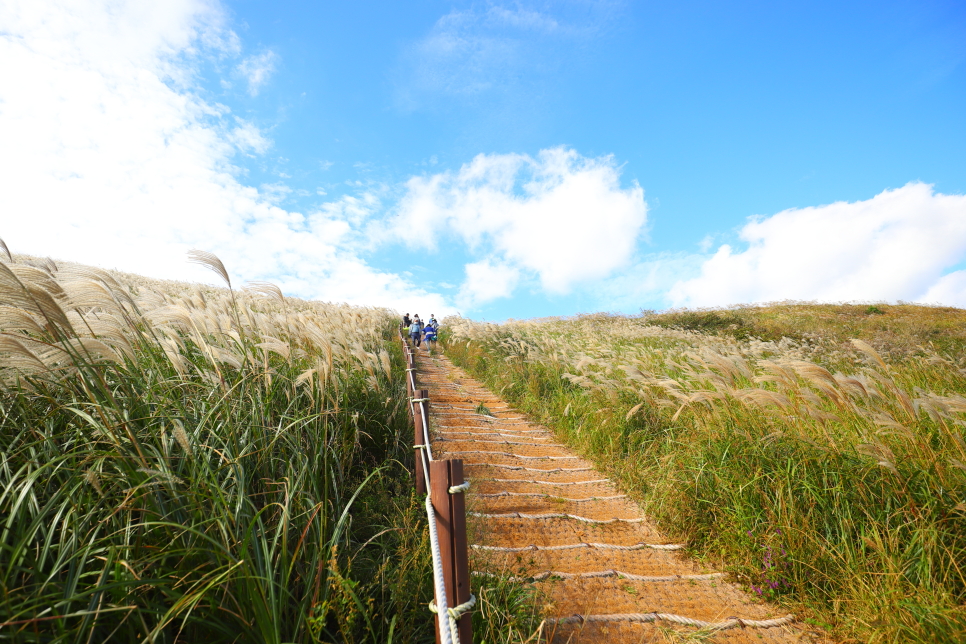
point(419, 419)
point(450, 514)
point(439, 494)
point(461, 566)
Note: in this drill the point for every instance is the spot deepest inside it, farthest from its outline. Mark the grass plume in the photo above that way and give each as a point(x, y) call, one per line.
point(815, 450)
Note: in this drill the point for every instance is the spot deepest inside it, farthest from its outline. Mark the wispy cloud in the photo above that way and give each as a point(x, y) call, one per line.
point(642, 285)
point(483, 49)
point(247, 137)
point(257, 69)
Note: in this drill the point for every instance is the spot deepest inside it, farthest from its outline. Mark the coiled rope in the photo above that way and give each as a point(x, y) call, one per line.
point(642, 618)
point(514, 435)
point(544, 482)
point(603, 574)
point(454, 615)
point(518, 431)
point(528, 469)
point(459, 489)
point(599, 546)
point(479, 440)
point(550, 496)
point(483, 440)
point(520, 515)
point(529, 458)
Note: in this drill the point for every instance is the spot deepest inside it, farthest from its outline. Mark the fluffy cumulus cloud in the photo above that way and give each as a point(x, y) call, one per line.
point(559, 216)
point(899, 245)
point(486, 281)
point(112, 157)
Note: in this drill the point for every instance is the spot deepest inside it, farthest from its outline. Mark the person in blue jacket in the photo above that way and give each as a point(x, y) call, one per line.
point(429, 335)
point(415, 330)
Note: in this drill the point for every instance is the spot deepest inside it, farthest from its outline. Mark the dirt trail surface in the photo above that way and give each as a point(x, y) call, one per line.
point(540, 512)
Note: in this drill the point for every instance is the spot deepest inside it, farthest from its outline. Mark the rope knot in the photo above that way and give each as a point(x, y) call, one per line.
point(459, 489)
point(457, 611)
point(454, 614)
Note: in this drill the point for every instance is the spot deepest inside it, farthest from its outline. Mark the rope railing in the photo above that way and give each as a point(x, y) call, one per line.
point(572, 546)
point(442, 483)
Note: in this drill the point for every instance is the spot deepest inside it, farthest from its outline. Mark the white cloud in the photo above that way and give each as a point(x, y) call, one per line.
point(562, 216)
point(644, 284)
point(522, 18)
point(111, 157)
point(488, 48)
point(485, 282)
point(274, 192)
point(258, 69)
point(949, 289)
point(895, 246)
point(456, 58)
point(248, 138)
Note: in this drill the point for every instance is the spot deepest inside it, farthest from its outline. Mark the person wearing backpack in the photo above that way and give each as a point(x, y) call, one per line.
point(415, 330)
point(429, 335)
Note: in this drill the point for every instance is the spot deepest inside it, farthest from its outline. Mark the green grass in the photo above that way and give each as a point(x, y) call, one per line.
point(895, 329)
point(194, 465)
point(483, 410)
point(220, 502)
point(821, 477)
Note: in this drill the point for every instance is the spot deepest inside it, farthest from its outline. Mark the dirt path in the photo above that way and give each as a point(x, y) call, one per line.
point(542, 512)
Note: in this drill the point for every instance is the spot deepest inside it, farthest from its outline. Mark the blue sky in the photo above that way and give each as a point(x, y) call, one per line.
point(634, 155)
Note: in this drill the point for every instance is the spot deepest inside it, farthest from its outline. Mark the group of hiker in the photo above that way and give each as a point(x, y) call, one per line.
point(419, 332)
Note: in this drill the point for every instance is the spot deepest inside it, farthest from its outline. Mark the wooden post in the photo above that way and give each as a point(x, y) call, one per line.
point(461, 566)
point(450, 514)
point(419, 437)
point(439, 493)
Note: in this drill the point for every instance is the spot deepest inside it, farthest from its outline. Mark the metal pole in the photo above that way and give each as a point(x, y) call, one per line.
point(419, 438)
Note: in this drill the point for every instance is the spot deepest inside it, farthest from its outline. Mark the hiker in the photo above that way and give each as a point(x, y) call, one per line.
point(429, 334)
point(406, 321)
point(415, 330)
point(432, 322)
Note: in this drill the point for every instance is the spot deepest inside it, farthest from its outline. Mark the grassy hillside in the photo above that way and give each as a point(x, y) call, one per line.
point(183, 463)
point(815, 450)
point(895, 330)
